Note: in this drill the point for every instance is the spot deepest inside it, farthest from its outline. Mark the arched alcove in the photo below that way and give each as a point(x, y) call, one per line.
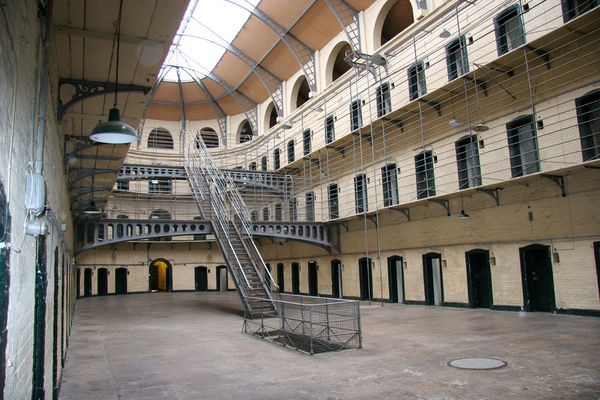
point(245, 132)
point(336, 65)
point(270, 119)
point(394, 17)
point(160, 138)
point(300, 92)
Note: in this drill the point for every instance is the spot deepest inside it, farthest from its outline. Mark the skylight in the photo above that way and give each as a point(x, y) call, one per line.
point(197, 46)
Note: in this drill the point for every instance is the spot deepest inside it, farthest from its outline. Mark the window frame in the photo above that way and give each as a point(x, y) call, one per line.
point(306, 141)
point(417, 85)
point(590, 142)
point(361, 201)
point(458, 45)
point(384, 99)
point(468, 165)
point(503, 45)
point(570, 10)
point(276, 159)
point(424, 174)
point(333, 201)
point(291, 152)
point(356, 115)
point(512, 132)
point(310, 206)
point(389, 185)
point(329, 129)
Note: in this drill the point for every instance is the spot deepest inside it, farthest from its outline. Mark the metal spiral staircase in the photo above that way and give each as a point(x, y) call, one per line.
point(220, 202)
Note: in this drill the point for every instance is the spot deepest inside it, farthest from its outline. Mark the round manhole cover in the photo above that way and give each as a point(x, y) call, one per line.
point(477, 363)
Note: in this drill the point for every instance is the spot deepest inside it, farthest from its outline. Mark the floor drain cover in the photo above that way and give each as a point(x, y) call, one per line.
point(477, 363)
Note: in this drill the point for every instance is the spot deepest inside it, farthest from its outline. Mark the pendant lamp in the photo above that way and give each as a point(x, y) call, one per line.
point(114, 131)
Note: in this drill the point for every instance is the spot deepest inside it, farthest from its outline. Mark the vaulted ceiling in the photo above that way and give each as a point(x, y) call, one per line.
point(264, 40)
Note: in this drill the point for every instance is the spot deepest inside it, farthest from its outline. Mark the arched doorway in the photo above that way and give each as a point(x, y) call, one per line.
point(201, 279)
point(313, 278)
point(87, 282)
point(432, 279)
point(336, 278)
point(366, 278)
point(396, 279)
point(161, 275)
point(479, 278)
point(102, 282)
point(121, 280)
point(538, 282)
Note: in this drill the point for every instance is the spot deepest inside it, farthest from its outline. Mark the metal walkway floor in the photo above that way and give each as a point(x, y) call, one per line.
point(188, 346)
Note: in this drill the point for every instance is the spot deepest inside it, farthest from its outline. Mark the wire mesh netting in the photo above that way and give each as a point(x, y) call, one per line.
point(309, 324)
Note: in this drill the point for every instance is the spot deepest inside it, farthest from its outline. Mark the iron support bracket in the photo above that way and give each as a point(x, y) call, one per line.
point(85, 89)
point(492, 192)
point(559, 180)
point(443, 203)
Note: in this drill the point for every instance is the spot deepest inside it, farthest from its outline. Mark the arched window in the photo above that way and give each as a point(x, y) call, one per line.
point(399, 16)
point(272, 116)
point(245, 132)
point(303, 93)
point(160, 214)
point(209, 137)
point(340, 66)
point(160, 138)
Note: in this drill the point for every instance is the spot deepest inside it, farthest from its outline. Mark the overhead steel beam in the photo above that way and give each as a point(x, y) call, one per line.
point(272, 83)
point(248, 107)
point(183, 124)
point(108, 36)
point(303, 54)
point(347, 16)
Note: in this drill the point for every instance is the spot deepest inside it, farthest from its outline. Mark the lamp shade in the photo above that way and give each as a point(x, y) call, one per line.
point(92, 209)
point(113, 131)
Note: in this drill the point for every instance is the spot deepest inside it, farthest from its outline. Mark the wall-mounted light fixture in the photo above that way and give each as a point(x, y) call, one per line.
point(444, 34)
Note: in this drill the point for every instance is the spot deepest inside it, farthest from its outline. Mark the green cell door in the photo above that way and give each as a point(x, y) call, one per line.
point(313, 279)
point(201, 279)
point(87, 282)
point(336, 278)
point(432, 279)
point(366, 278)
point(479, 279)
point(538, 283)
point(295, 278)
point(121, 280)
point(396, 279)
point(102, 282)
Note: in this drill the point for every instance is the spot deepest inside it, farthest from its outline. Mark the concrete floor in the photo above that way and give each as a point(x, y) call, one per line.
point(189, 346)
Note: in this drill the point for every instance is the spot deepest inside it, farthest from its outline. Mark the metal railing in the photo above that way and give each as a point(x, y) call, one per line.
point(309, 324)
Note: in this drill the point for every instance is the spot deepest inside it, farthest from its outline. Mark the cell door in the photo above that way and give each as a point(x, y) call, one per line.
point(295, 278)
point(366, 279)
point(336, 278)
point(597, 254)
point(201, 279)
point(78, 282)
point(538, 283)
point(280, 277)
point(313, 279)
point(432, 279)
point(479, 280)
point(121, 280)
point(102, 282)
point(396, 279)
point(87, 282)
point(221, 279)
